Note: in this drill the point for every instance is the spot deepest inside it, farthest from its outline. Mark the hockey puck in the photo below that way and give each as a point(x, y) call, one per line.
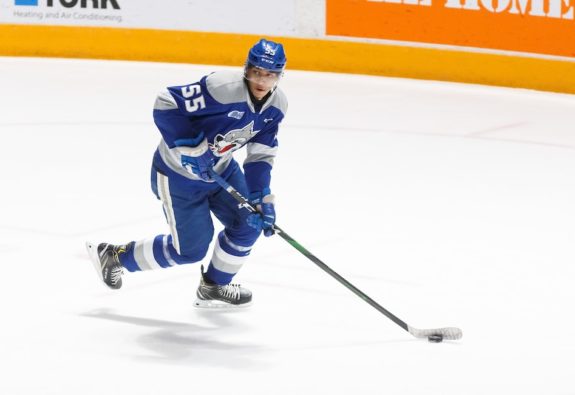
point(437, 338)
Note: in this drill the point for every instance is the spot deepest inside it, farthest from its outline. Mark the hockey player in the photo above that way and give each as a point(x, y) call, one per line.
point(202, 124)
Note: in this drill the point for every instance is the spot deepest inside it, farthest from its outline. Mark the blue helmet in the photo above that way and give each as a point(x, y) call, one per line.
point(267, 55)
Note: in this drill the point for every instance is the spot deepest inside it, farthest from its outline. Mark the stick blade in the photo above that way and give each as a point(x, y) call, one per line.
point(449, 333)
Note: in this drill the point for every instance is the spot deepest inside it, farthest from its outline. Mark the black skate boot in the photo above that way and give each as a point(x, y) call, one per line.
point(213, 295)
point(106, 260)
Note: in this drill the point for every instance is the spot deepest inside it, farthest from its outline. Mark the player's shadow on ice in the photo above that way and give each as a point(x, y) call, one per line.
point(192, 344)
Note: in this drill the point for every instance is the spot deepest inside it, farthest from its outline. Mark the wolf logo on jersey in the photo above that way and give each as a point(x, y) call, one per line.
point(232, 140)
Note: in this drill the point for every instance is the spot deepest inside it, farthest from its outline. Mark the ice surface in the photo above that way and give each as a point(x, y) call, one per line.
point(450, 205)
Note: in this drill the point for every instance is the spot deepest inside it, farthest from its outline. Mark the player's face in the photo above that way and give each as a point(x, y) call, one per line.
point(261, 81)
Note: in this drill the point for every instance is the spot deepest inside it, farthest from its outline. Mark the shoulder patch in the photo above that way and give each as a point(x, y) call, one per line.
point(226, 87)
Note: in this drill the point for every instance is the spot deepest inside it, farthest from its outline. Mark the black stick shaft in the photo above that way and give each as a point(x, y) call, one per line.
point(245, 204)
point(339, 278)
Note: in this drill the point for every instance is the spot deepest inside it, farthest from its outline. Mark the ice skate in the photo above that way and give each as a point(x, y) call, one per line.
point(211, 295)
point(106, 261)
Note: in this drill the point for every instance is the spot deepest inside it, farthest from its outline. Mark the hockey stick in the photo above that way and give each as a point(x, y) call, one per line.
point(434, 335)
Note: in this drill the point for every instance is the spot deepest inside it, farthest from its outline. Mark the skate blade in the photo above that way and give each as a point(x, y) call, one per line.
point(93, 253)
point(219, 305)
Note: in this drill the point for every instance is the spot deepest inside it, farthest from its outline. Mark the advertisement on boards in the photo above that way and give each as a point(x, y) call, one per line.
point(532, 26)
point(266, 17)
point(63, 12)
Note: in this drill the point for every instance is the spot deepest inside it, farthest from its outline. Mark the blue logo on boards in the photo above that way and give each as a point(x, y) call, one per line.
point(26, 2)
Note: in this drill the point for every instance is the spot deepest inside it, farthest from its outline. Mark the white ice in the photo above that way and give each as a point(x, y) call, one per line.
point(449, 204)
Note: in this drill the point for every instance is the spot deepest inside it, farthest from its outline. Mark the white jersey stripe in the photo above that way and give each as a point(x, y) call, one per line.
point(164, 192)
point(149, 255)
point(257, 152)
point(235, 246)
point(144, 255)
point(172, 159)
point(165, 101)
point(139, 256)
point(167, 252)
point(226, 262)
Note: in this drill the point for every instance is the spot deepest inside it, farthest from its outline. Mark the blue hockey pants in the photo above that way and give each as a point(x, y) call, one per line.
point(187, 207)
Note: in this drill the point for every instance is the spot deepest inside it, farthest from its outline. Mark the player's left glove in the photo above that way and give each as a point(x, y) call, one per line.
point(265, 218)
point(196, 156)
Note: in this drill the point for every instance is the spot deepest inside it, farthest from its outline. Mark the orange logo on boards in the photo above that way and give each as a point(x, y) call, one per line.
point(541, 8)
point(535, 26)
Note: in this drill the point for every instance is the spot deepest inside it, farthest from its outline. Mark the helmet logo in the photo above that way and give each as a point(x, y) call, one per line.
point(269, 50)
point(267, 55)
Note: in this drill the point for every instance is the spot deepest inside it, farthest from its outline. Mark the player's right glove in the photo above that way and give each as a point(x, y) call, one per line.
point(265, 218)
point(196, 156)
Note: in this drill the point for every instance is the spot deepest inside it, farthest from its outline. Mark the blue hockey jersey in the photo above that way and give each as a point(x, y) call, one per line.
point(219, 105)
